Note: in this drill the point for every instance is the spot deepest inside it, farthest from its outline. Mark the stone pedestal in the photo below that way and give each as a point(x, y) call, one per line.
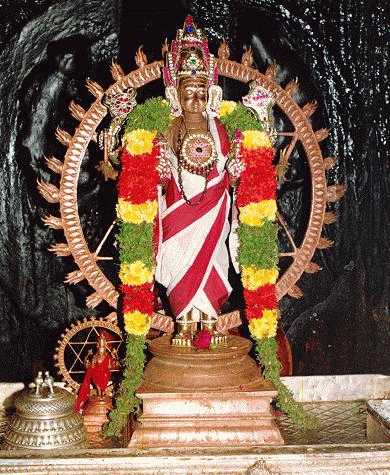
point(95, 413)
point(204, 398)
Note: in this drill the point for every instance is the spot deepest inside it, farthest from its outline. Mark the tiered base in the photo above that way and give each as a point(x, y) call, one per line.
point(204, 398)
point(96, 412)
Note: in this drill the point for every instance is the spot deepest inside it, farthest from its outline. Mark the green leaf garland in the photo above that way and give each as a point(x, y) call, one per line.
point(259, 245)
point(126, 401)
point(153, 114)
point(134, 243)
point(240, 119)
point(266, 352)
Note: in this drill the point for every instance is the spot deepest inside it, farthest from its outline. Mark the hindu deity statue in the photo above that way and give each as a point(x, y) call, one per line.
point(196, 175)
point(98, 367)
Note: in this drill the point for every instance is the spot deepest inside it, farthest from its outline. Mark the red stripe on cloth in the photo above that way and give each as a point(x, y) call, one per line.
point(173, 193)
point(216, 290)
point(186, 214)
point(213, 173)
point(223, 137)
point(189, 284)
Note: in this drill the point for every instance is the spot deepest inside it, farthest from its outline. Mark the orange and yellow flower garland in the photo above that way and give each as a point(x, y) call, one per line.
point(257, 213)
point(136, 210)
point(258, 246)
point(255, 198)
point(136, 213)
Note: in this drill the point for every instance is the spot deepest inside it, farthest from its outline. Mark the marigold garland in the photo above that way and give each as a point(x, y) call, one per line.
point(252, 278)
point(137, 323)
point(254, 214)
point(136, 211)
point(135, 273)
point(133, 186)
point(139, 142)
point(258, 253)
point(136, 298)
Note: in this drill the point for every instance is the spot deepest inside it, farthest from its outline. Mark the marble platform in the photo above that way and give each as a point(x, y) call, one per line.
point(309, 457)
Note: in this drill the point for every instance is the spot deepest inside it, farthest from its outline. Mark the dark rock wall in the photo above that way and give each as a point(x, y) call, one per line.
point(340, 53)
point(48, 49)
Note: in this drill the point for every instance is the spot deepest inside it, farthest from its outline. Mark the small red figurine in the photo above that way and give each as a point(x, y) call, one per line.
point(98, 371)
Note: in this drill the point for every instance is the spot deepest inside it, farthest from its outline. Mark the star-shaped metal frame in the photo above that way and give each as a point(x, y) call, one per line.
point(77, 340)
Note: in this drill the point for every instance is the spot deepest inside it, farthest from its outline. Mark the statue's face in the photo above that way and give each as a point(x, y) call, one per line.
point(193, 94)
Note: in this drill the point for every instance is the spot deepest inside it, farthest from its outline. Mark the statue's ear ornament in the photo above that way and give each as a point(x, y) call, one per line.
point(214, 100)
point(261, 101)
point(173, 99)
point(119, 105)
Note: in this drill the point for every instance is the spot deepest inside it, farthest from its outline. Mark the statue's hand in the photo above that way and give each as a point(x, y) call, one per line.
point(235, 167)
point(163, 166)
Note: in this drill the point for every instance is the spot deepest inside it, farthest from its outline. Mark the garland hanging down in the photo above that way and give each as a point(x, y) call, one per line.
point(258, 246)
point(257, 232)
point(136, 212)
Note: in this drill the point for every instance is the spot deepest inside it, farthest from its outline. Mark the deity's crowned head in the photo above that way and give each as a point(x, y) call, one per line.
point(189, 56)
point(102, 343)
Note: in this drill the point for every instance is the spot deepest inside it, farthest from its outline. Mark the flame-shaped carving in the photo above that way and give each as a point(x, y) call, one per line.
point(312, 268)
point(111, 317)
point(116, 71)
point(324, 243)
point(164, 48)
point(295, 292)
point(93, 300)
point(330, 217)
point(271, 71)
point(63, 137)
point(140, 58)
point(309, 108)
point(292, 87)
point(60, 249)
point(282, 165)
point(223, 50)
point(321, 134)
point(247, 57)
point(54, 164)
point(74, 277)
point(76, 110)
point(335, 192)
point(94, 88)
point(48, 191)
point(329, 162)
point(52, 222)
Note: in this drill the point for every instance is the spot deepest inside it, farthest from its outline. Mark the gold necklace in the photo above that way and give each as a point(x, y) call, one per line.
point(197, 151)
point(180, 177)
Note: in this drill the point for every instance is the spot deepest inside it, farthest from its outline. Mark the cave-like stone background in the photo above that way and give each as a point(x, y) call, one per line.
point(340, 53)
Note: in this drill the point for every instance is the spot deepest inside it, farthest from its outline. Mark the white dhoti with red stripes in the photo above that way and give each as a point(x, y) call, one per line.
point(192, 259)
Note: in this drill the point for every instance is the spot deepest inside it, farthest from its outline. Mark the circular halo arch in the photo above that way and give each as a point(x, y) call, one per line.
point(66, 195)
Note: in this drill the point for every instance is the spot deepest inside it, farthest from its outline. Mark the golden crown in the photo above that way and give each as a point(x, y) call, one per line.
point(189, 55)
